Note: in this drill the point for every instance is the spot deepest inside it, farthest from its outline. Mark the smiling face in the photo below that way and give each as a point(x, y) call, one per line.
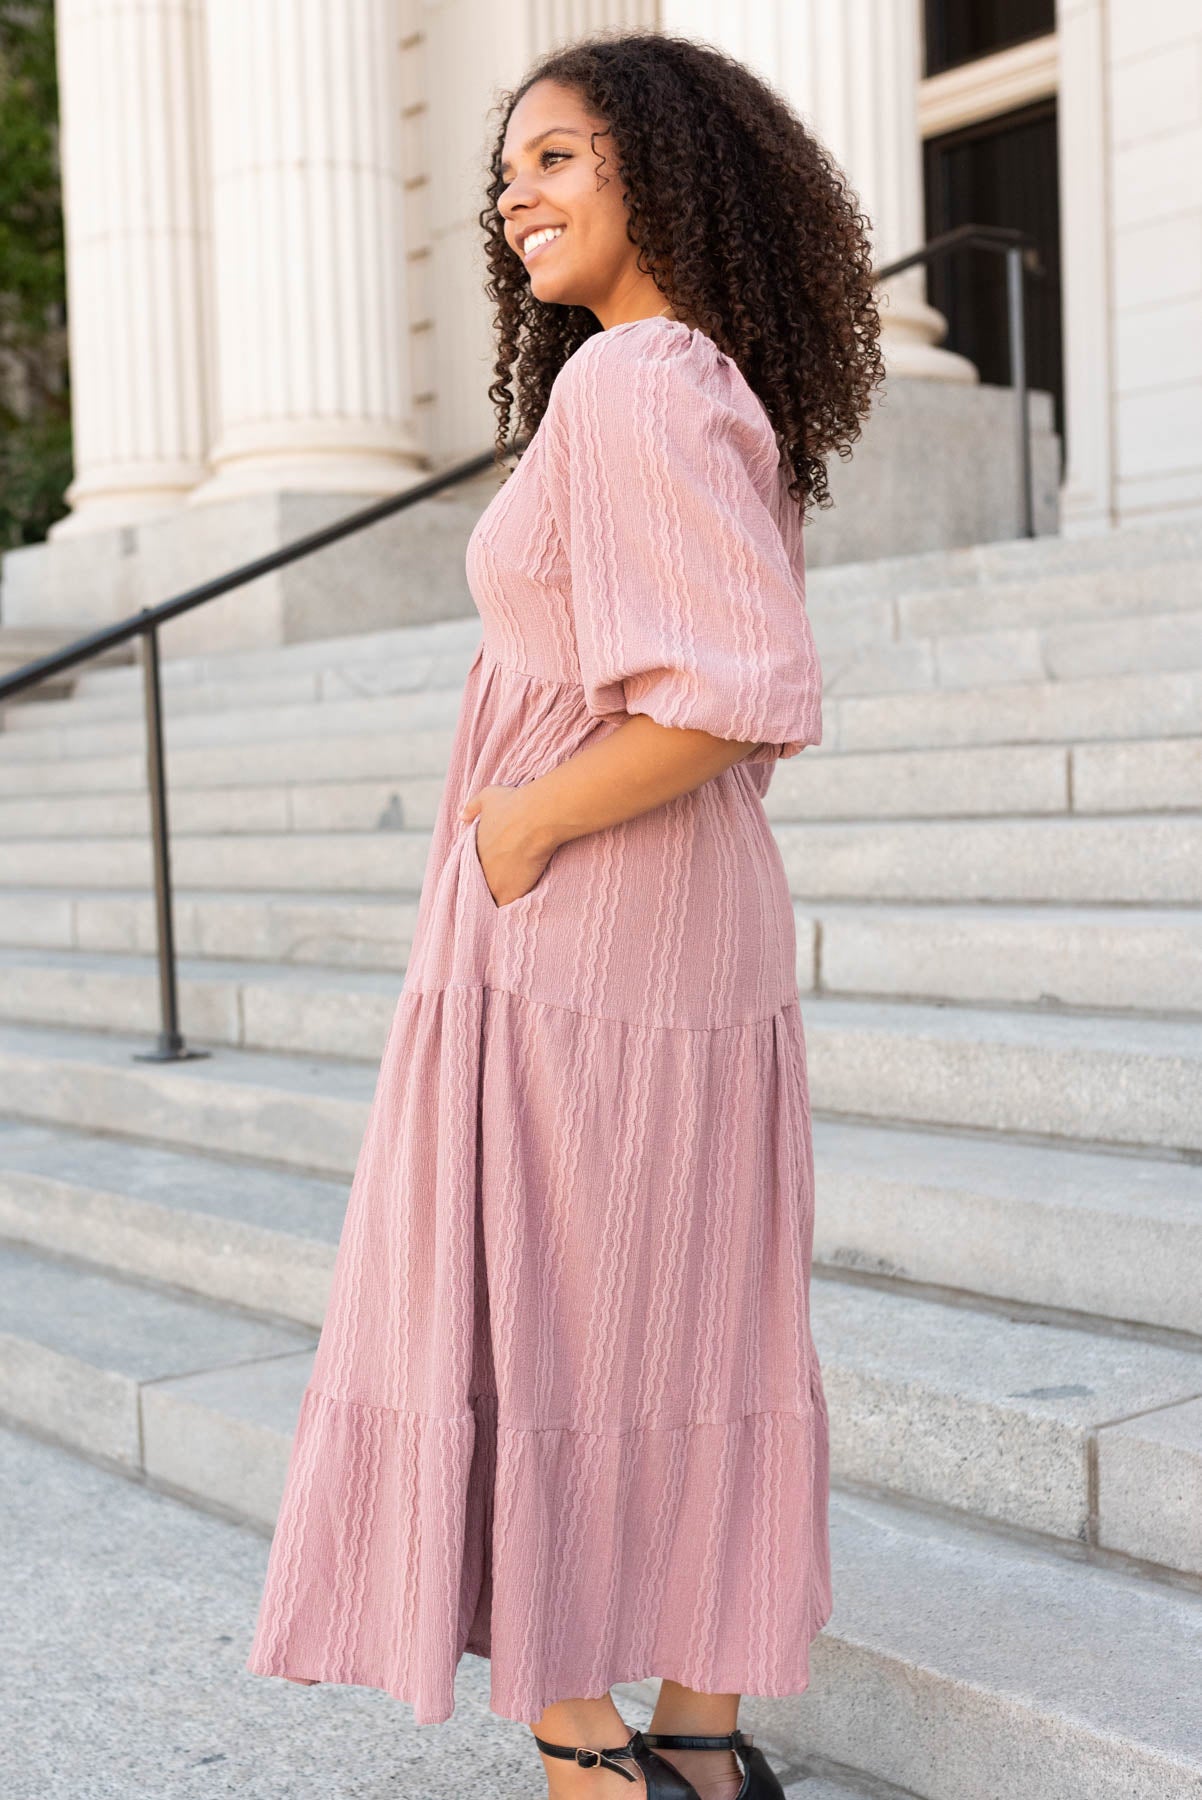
point(560, 169)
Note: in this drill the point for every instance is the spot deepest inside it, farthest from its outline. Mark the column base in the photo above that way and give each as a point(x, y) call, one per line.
point(101, 499)
point(404, 570)
point(371, 476)
point(910, 334)
point(368, 457)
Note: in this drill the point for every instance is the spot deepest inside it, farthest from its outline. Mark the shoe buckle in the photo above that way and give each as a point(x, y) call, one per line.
point(588, 1759)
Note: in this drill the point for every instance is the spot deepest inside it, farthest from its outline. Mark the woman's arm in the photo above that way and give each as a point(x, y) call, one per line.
point(639, 766)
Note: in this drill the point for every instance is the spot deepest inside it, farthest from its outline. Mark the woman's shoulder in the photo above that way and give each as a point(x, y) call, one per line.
point(636, 343)
point(637, 368)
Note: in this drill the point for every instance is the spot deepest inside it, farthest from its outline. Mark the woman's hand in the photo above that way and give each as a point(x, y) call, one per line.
point(513, 846)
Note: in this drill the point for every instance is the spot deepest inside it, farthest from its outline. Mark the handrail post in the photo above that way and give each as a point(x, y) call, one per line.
point(1018, 378)
point(1021, 255)
point(171, 1046)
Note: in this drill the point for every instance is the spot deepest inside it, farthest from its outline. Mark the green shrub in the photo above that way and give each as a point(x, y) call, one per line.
point(35, 410)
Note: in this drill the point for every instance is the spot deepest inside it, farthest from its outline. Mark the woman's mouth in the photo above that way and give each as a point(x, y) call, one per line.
point(538, 240)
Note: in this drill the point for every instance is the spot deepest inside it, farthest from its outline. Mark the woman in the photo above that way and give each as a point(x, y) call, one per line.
point(566, 1411)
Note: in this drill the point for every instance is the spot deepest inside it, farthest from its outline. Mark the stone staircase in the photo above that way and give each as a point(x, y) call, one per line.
point(21, 644)
point(996, 858)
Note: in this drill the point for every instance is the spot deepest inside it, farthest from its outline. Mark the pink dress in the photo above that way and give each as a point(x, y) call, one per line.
point(565, 1411)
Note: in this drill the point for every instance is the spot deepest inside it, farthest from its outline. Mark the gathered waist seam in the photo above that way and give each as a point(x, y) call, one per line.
point(526, 674)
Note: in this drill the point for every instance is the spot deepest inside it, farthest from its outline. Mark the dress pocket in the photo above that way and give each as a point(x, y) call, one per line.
point(473, 854)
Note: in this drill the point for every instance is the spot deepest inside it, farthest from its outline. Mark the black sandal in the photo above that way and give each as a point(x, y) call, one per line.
point(662, 1780)
point(759, 1782)
point(592, 1759)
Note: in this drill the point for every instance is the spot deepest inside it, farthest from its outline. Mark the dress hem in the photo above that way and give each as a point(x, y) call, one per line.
point(388, 1578)
point(507, 1709)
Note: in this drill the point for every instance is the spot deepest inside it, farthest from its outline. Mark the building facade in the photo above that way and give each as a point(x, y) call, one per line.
point(213, 149)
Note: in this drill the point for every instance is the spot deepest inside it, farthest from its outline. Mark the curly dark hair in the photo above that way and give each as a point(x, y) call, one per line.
point(757, 239)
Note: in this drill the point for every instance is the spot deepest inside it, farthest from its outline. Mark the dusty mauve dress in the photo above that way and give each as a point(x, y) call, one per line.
point(566, 1411)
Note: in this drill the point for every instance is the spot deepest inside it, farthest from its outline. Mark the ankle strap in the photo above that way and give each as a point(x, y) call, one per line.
point(593, 1759)
point(733, 1740)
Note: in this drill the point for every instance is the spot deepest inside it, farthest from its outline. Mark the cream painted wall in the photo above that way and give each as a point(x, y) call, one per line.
point(1154, 81)
point(1130, 112)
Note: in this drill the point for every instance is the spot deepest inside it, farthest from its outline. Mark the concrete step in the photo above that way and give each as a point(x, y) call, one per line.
point(1118, 958)
point(1085, 1078)
point(1069, 1235)
point(380, 805)
point(873, 664)
point(1077, 1689)
point(309, 657)
point(373, 755)
point(1144, 859)
point(125, 703)
point(259, 1005)
point(1058, 599)
point(866, 647)
point(880, 612)
point(1017, 1423)
point(1122, 571)
point(1090, 1437)
point(390, 861)
point(239, 1233)
point(108, 1366)
point(432, 707)
point(294, 1111)
point(1009, 563)
point(130, 1616)
point(1139, 705)
point(1144, 775)
point(372, 931)
point(1137, 775)
point(1080, 1078)
point(1150, 859)
point(1037, 712)
point(983, 586)
point(398, 668)
point(23, 644)
point(957, 1663)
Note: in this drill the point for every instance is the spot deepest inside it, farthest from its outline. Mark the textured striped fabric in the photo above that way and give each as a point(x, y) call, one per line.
point(566, 1411)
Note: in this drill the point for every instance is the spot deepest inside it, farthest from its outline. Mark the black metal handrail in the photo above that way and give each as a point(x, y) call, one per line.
point(1018, 247)
point(1022, 258)
point(144, 624)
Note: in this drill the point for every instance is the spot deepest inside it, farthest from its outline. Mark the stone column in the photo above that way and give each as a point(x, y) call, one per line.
point(311, 341)
point(131, 145)
point(1084, 109)
point(851, 69)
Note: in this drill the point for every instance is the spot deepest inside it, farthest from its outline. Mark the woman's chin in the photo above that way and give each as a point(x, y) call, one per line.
point(552, 290)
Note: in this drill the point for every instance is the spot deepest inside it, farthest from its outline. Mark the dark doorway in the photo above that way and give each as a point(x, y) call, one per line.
point(958, 31)
point(1002, 171)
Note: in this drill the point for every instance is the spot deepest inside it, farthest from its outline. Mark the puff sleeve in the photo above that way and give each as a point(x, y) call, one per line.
point(687, 601)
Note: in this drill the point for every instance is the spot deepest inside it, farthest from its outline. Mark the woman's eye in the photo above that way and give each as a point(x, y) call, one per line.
point(542, 158)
